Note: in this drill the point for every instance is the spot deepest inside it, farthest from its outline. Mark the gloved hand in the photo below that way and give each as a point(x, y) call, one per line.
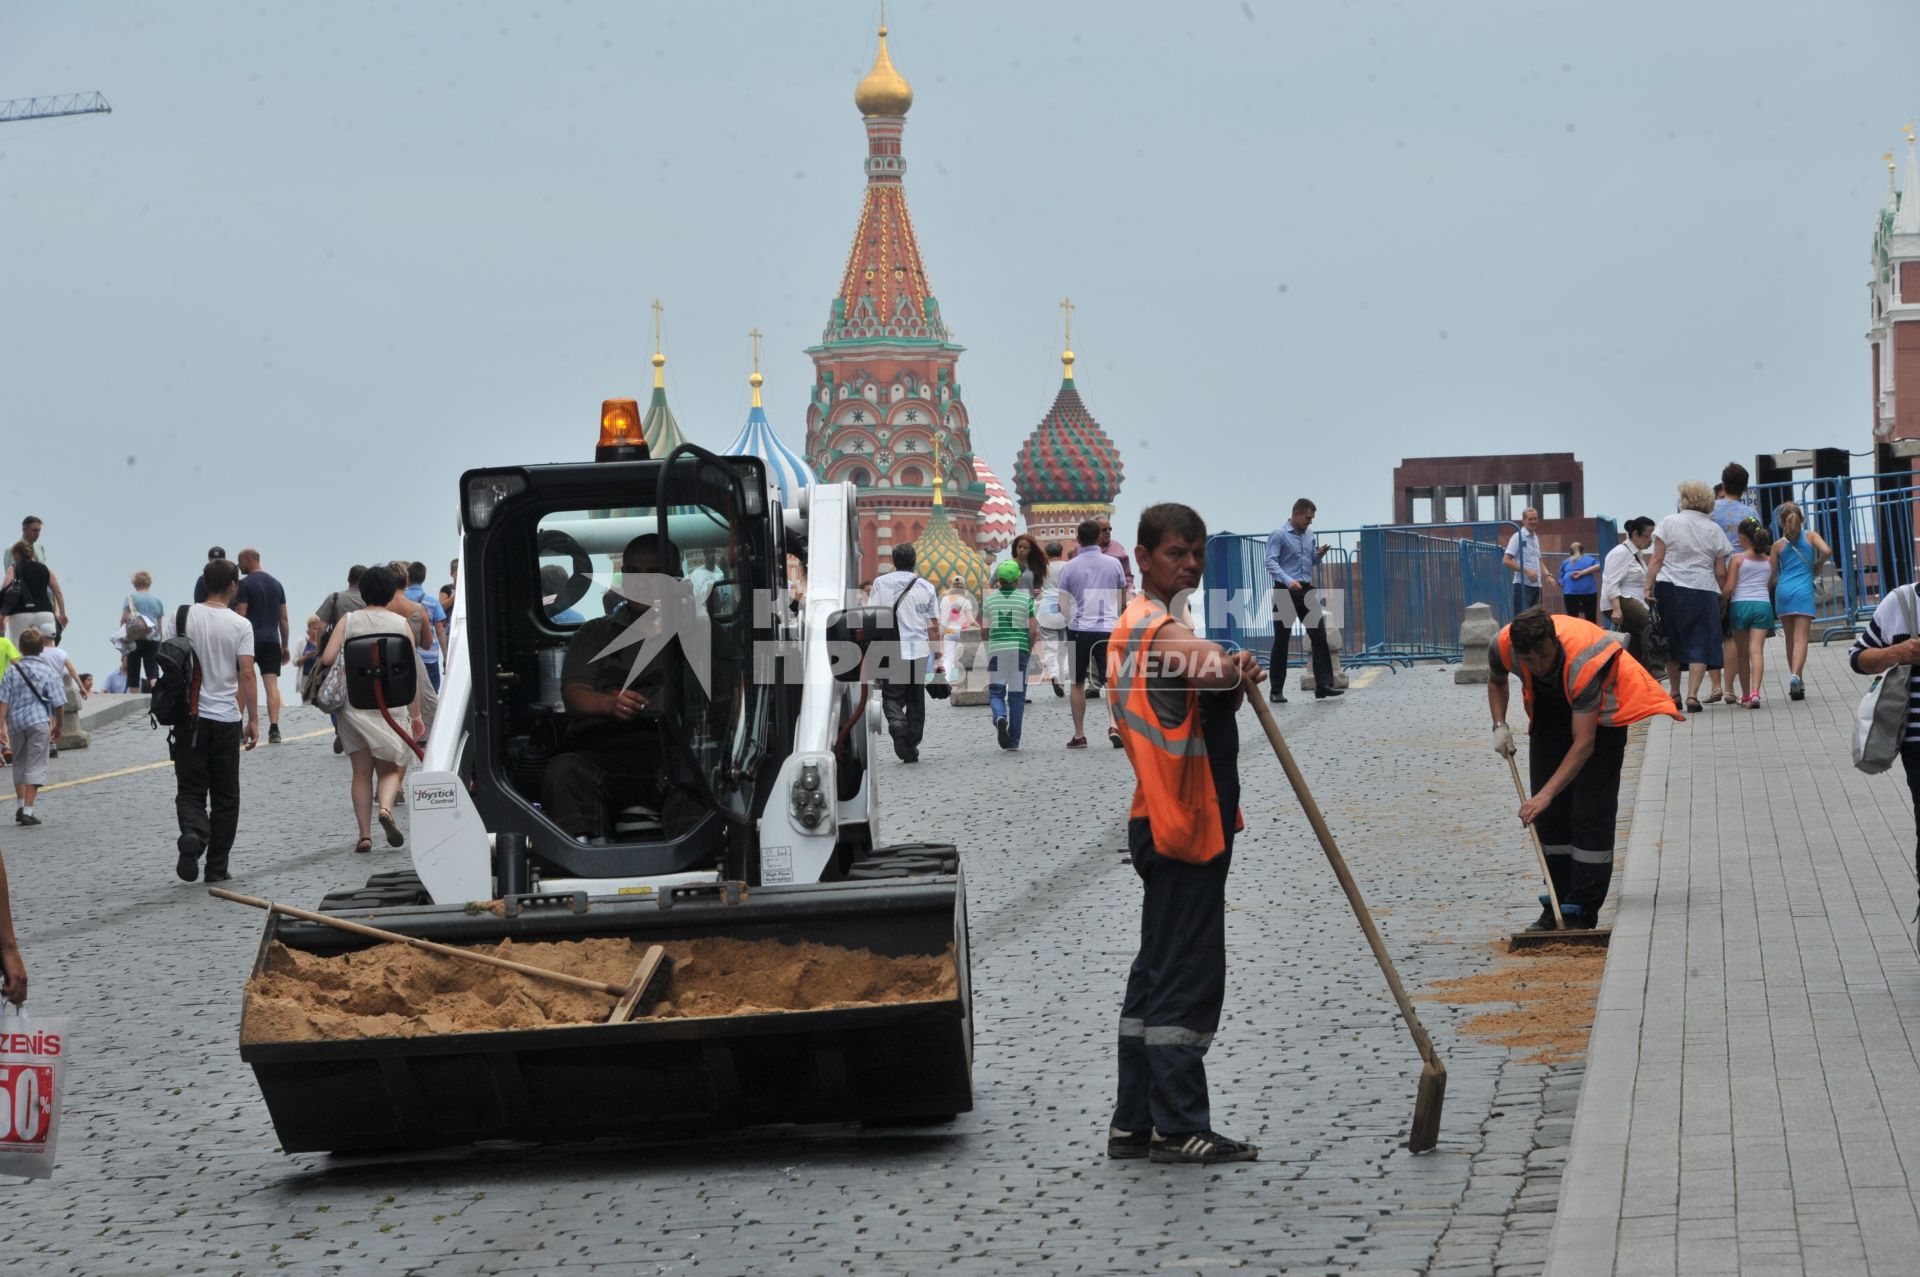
point(1503, 740)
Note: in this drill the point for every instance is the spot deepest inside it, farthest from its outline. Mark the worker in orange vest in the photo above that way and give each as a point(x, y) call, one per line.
point(1582, 691)
point(1174, 696)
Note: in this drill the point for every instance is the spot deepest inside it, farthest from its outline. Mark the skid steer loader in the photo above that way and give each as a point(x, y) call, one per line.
point(758, 818)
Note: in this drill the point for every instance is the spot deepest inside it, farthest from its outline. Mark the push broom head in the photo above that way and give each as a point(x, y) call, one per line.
point(1426, 1107)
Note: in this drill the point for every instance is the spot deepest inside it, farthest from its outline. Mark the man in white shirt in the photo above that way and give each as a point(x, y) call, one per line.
point(903, 692)
point(1523, 559)
point(206, 748)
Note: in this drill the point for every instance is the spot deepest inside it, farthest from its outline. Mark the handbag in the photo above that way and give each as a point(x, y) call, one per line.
point(1880, 724)
point(331, 697)
point(137, 626)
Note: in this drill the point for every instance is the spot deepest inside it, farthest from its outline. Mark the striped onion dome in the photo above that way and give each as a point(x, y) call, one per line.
point(788, 473)
point(940, 552)
point(1068, 459)
point(999, 521)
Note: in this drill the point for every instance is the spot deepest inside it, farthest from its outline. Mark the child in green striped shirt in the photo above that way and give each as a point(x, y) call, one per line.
point(1013, 626)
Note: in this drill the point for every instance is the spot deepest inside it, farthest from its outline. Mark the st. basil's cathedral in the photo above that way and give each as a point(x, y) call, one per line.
point(887, 413)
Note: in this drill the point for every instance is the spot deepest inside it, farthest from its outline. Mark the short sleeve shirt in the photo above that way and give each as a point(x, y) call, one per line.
point(918, 603)
point(1009, 611)
point(264, 598)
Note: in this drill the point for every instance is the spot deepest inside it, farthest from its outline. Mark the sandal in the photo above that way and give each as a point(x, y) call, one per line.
point(1712, 697)
point(1693, 706)
point(364, 846)
point(394, 836)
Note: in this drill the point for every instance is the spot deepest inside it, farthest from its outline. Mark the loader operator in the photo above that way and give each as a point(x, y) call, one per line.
point(1174, 696)
point(613, 755)
point(1582, 691)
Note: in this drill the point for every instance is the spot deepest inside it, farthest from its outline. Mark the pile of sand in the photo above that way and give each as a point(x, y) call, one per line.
point(1553, 989)
point(393, 990)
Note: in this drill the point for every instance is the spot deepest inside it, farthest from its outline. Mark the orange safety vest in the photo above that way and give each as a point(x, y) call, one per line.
point(1173, 784)
point(1629, 693)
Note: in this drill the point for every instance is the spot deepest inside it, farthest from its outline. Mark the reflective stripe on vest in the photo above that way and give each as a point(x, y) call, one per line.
point(1173, 781)
point(1627, 693)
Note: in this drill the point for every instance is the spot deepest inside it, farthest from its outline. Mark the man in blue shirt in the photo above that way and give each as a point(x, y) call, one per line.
point(1523, 558)
point(1291, 558)
point(436, 616)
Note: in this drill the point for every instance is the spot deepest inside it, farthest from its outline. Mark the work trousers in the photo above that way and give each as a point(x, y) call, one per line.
point(1524, 597)
point(904, 700)
point(1576, 829)
point(206, 778)
point(583, 785)
point(1300, 603)
point(1174, 991)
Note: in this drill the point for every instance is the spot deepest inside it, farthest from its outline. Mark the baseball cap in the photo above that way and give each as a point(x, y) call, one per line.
point(216, 553)
point(1009, 572)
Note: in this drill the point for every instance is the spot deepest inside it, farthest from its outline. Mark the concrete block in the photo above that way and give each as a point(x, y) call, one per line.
point(1477, 632)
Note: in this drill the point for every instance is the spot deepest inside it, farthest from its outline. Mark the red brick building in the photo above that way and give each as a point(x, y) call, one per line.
point(1894, 303)
point(1496, 489)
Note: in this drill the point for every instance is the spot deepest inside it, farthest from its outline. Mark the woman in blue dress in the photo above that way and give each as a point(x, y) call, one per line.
point(1797, 557)
point(1580, 583)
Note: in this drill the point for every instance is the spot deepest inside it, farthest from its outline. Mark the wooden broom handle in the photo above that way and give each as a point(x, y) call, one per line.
point(394, 937)
point(1340, 870)
point(1539, 851)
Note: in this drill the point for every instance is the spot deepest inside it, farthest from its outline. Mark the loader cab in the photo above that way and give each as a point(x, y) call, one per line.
point(646, 575)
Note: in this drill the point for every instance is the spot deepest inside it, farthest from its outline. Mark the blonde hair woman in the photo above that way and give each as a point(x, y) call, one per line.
point(144, 656)
point(1797, 557)
point(1683, 580)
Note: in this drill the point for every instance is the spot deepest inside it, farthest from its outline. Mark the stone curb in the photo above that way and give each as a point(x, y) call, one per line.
point(1586, 1224)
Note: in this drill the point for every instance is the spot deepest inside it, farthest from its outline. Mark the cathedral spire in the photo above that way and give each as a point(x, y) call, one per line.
point(1066, 354)
point(662, 431)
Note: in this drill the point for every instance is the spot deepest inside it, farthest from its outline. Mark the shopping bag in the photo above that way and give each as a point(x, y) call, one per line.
point(33, 1055)
point(1880, 723)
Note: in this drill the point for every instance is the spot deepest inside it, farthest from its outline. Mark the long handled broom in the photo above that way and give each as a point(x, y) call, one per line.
point(1561, 932)
point(1433, 1072)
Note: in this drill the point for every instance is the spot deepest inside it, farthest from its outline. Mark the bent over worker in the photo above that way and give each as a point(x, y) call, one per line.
point(1582, 692)
point(1174, 696)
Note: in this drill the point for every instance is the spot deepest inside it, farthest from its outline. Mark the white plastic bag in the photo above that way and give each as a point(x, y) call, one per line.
point(33, 1055)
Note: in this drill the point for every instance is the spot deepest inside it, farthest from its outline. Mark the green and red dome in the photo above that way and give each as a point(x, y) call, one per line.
point(1068, 459)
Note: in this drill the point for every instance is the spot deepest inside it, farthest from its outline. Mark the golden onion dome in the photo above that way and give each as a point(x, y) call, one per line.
point(884, 91)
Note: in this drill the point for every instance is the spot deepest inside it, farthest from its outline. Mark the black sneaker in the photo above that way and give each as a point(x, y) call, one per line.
point(19, 814)
point(1000, 729)
point(1277, 696)
point(1058, 690)
point(28, 819)
point(1127, 1145)
point(188, 865)
point(273, 734)
point(218, 875)
point(1201, 1148)
point(1321, 693)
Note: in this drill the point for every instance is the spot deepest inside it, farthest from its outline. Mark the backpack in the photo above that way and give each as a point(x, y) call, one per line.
point(176, 693)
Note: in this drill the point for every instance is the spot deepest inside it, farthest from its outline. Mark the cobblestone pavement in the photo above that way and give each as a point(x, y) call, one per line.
point(1754, 1100)
point(169, 1162)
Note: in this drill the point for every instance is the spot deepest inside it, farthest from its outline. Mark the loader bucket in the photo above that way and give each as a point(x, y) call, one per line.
point(893, 1063)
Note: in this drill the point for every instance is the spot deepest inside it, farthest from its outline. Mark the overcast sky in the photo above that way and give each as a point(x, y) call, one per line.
point(321, 259)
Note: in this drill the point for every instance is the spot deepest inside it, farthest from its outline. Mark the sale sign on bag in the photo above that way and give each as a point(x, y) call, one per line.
point(33, 1055)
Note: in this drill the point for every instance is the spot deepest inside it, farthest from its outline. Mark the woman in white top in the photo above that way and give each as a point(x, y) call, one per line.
point(1623, 586)
point(1684, 581)
point(1744, 585)
point(378, 755)
point(957, 616)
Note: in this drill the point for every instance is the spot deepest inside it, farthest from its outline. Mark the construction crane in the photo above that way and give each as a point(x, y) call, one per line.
point(53, 107)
